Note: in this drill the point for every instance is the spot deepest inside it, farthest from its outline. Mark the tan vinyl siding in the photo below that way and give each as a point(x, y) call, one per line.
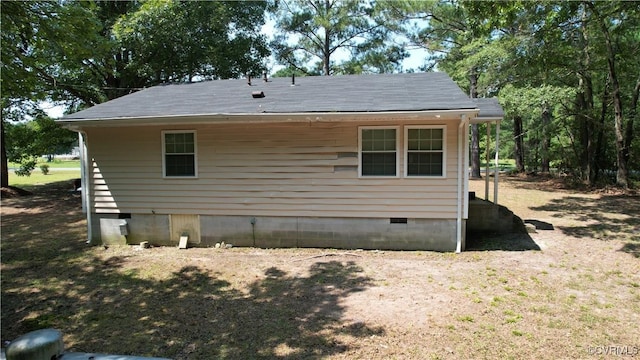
point(286, 169)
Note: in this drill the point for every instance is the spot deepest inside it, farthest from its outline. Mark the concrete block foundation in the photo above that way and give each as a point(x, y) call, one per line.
point(141, 227)
point(285, 232)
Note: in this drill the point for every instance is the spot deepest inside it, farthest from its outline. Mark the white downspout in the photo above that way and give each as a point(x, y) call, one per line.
point(84, 182)
point(462, 167)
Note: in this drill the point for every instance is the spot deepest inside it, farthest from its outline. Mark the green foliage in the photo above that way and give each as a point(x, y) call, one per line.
point(54, 48)
point(20, 25)
point(43, 43)
point(575, 59)
point(78, 54)
point(84, 53)
point(184, 41)
point(289, 71)
point(25, 141)
point(44, 168)
point(311, 33)
point(26, 167)
point(529, 103)
point(552, 56)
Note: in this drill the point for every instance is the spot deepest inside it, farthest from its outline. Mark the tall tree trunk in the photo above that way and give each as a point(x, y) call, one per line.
point(622, 175)
point(582, 121)
point(546, 140)
point(326, 69)
point(475, 152)
point(4, 176)
point(633, 113)
point(326, 54)
point(598, 155)
point(519, 143)
point(475, 132)
point(585, 106)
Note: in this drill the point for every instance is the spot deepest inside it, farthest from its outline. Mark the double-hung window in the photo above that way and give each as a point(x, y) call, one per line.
point(425, 151)
point(379, 151)
point(179, 153)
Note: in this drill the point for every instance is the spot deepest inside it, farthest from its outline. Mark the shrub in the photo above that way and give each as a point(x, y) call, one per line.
point(44, 168)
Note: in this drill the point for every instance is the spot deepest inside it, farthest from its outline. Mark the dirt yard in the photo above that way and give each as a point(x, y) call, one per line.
point(571, 290)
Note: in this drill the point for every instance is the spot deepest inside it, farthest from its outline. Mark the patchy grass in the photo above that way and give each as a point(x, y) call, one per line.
point(579, 291)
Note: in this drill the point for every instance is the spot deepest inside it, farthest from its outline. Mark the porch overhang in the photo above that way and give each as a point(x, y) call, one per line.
point(490, 113)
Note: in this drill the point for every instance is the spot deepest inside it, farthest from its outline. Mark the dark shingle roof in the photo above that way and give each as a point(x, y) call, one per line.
point(348, 93)
point(489, 108)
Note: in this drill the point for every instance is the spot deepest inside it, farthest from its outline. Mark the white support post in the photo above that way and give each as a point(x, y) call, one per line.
point(495, 179)
point(488, 160)
point(462, 168)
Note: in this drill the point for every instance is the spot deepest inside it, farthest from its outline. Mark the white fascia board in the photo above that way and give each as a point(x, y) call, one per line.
point(76, 124)
point(483, 120)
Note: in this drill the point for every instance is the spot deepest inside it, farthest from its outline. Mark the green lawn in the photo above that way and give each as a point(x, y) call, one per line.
point(502, 163)
point(37, 178)
point(59, 170)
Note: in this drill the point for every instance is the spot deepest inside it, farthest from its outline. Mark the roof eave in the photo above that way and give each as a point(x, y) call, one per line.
point(247, 118)
point(486, 119)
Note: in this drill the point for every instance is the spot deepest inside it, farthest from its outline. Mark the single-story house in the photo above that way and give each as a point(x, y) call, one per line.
point(357, 161)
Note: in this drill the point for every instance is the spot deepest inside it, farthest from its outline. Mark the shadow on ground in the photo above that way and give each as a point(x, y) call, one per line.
point(539, 225)
point(606, 217)
point(518, 240)
point(495, 227)
point(192, 314)
point(51, 279)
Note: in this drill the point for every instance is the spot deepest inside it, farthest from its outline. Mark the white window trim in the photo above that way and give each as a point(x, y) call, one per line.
point(195, 154)
point(444, 151)
point(397, 129)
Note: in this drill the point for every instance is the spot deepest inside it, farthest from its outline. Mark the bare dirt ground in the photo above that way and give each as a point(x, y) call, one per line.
point(571, 290)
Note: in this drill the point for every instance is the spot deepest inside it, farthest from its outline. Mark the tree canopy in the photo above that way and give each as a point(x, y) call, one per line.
point(187, 41)
point(78, 54)
point(566, 73)
point(317, 31)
